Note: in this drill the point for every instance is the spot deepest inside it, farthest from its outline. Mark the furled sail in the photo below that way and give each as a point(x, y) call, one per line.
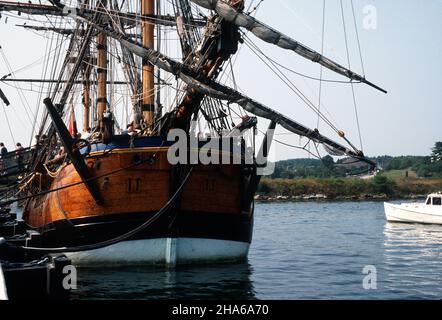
point(270, 35)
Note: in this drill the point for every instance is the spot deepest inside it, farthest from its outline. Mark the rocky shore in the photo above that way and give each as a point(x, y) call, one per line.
point(323, 197)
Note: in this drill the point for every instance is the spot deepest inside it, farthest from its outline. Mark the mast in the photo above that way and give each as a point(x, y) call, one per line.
point(101, 70)
point(147, 38)
point(158, 91)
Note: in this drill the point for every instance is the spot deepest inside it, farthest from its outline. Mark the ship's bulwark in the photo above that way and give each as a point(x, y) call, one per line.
point(210, 222)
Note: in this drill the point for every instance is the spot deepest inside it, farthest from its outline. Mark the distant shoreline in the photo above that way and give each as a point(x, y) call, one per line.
point(345, 189)
point(315, 198)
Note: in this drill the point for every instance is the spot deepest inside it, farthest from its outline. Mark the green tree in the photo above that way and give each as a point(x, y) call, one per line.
point(264, 187)
point(328, 162)
point(381, 184)
point(436, 156)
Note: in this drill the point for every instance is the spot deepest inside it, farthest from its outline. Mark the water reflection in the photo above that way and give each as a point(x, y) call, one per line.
point(412, 255)
point(205, 282)
point(412, 235)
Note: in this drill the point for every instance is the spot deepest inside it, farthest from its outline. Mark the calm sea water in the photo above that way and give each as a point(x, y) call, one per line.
point(300, 251)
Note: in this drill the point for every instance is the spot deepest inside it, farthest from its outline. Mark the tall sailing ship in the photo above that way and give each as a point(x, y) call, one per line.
point(110, 194)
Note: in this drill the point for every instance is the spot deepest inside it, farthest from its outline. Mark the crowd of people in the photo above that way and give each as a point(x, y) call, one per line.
point(17, 155)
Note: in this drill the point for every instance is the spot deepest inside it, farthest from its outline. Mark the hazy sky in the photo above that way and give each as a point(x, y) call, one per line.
point(403, 55)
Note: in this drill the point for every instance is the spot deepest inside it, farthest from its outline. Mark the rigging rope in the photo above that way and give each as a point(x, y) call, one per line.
point(103, 244)
point(322, 67)
point(7, 121)
point(357, 37)
point(251, 10)
point(307, 76)
point(21, 95)
point(317, 156)
point(105, 152)
point(306, 101)
point(352, 85)
point(289, 84)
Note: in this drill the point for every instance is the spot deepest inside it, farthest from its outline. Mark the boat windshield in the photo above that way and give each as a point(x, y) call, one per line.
point(429, 201)
point(437, 201)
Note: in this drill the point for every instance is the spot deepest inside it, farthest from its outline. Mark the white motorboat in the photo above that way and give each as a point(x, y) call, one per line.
point(429, 212)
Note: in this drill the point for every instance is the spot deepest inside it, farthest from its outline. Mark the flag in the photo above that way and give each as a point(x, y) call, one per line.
point(72, 126)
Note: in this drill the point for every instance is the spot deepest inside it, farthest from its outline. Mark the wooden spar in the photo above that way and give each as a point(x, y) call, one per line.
point(147, 38)
point(63, 31)
point(101, 71)
point(87, 69)
point(73, 152)
point(92, 82)
point(158, 91)
point(29, 8)
point(126, 17)
point(86, 105)
point(86, 100)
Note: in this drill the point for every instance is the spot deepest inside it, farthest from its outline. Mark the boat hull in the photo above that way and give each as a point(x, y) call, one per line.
point(410, 214)
point(176, 238)
point(211, 220)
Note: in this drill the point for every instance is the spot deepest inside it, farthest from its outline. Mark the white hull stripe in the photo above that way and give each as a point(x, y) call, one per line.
point(164, 251)
point(3, 291)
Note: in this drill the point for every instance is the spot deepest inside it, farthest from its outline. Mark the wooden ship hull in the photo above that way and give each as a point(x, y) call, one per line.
point(210, 222)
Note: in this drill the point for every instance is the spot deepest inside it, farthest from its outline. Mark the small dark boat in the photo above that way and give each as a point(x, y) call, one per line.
point(39, 279)
point(29, 275)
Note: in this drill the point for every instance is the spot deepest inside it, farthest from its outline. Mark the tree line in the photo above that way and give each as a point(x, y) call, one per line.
point(424, 166)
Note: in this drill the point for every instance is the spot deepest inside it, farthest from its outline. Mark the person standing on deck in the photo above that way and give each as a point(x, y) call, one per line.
point(3, 152)
point(3, 149)
point(19, 156)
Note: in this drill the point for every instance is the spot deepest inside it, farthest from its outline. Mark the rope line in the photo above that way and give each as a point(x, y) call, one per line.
point(7, 121)
point(120, 238)
point(352, 86)
point(321, 67)
point(357, 37)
